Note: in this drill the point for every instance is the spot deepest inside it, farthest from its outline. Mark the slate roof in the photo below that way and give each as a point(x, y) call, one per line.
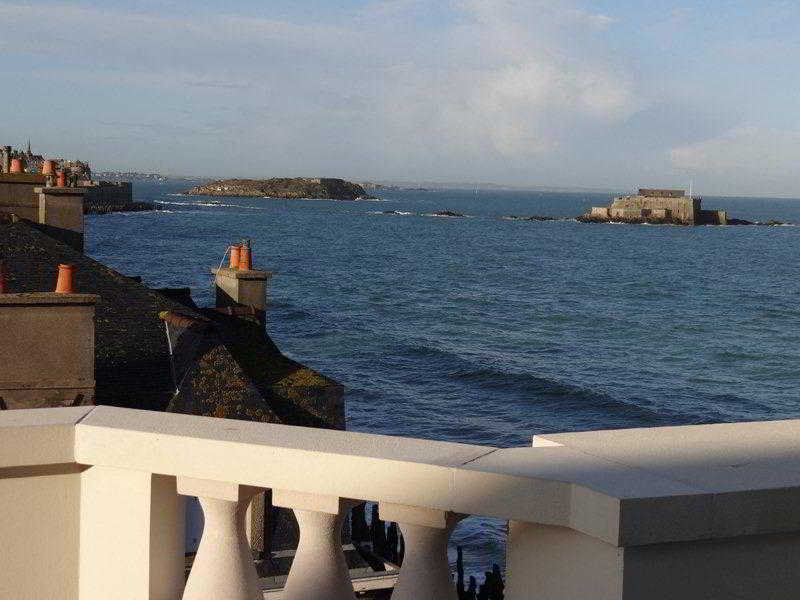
point(227, 366)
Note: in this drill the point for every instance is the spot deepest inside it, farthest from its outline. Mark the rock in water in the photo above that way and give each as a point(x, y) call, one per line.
point(295, 187)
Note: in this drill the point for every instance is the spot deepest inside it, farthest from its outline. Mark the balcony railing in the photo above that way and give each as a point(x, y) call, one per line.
point(92, 507)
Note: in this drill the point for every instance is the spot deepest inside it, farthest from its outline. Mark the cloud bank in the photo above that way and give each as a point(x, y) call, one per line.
point(535, 91)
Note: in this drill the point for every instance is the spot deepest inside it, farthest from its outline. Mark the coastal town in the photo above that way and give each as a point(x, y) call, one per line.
point(24, 167)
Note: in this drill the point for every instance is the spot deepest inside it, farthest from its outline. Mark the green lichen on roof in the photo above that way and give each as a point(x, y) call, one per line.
point(260, 357)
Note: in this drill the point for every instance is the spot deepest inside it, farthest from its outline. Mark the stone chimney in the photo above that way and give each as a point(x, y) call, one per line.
point(46, 349)
point(6, 159)
point(240, 286)
point(61, 214)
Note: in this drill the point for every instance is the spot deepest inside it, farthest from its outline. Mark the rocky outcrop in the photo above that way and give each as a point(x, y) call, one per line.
point(531, 218)
point(630, 220)
point(100, 208)
point(296, 187)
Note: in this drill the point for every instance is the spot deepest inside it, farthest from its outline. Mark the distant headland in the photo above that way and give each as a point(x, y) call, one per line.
point(280, 187)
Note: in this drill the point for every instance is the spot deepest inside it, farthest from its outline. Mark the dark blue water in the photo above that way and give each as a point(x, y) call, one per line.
point(486, 330)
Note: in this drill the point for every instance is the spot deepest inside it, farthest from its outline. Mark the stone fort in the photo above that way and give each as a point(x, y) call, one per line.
point(658, 205)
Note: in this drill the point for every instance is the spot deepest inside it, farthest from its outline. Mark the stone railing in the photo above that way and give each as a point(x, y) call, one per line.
point(92, 507)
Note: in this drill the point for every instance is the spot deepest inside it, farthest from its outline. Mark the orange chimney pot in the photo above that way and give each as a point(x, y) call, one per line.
point(61, 179)
point(49, 167)
point(16, 166)
point(245, 259)
point(66, 279)
point(236, 253)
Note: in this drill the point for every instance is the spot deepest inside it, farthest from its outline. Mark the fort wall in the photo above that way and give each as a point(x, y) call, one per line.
point(683, 209)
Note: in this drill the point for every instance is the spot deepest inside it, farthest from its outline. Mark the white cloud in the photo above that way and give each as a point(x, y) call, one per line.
point(751, 149)
point(746, 159)
point(494, 80)
point(519, 77)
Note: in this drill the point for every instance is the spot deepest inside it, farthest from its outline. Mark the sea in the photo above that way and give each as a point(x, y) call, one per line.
point(487, 330)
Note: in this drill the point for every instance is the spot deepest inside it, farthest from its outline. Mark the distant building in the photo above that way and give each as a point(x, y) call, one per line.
point(99, 196)
point(658, 206)
point(32, 163)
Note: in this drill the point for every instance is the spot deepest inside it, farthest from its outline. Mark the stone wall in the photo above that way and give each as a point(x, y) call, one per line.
point(683, 209)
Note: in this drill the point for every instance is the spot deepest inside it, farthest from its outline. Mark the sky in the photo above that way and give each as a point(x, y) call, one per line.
point(613, 94)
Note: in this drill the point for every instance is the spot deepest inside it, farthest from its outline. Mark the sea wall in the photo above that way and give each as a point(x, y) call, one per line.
point(106, 193)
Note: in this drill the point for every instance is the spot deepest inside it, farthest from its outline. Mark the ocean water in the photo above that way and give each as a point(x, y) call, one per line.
point(487, 330)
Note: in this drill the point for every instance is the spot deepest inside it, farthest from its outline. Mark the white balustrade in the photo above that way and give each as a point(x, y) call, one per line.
point(425, 574)
point(319, 570)
point(223, 566)
point(679, 512)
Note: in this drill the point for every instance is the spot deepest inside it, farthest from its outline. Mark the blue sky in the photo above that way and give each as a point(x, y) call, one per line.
point(604, 93)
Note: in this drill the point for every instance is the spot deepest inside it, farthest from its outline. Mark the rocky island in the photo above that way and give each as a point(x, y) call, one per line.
point(280, 187)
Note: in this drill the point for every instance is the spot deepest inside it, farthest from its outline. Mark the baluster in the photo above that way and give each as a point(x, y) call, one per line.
point(425, 574)
point(223, 567)
point(319, 569)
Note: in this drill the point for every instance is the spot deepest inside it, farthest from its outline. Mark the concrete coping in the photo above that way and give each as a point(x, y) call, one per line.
point(239, 274)
point(47, 298)
point(627, 487)
point(39, 436)
point(60, 191)
point(27, 178)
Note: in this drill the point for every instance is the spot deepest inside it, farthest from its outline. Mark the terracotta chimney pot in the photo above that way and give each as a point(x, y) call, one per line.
point(66, 279)
point(61, 179)
point(49, 167)
point(235, 256)
point(16, 166)
point(245, 259)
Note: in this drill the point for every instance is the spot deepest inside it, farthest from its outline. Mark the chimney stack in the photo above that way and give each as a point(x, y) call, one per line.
point(241, 285)
point(47, 349)
point(61, 214)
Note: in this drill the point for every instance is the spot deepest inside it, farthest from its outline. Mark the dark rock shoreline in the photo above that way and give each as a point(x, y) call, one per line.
point(656, 221)
point(94, 208)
